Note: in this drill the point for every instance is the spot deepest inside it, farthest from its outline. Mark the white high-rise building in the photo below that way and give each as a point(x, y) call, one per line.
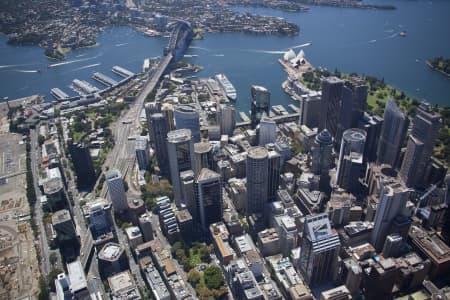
point(257, 180)
point(116, 190)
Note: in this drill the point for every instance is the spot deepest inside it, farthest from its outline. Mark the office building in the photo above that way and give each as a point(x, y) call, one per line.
point(226, 117)
point(393, 133)
point(116, 190)
point(77, 279)
point(320, 248)
point(267, 131)
point(392, 245)
point(260, 105)
point(310, 106)
point(62, 287)
point(338, 293)
point(393, 200)
point(257, 171)
point(420, 146)
point(203, 157)
point(353, 140)
point(322, 158)
point(181, 158)
point(330, 104)
point(187, 191)
point(159, 131)
point(372, 126)
point(268, 242)
point(64, 227)
point(287, 233)
point(112, 259)
point(350, 170)
point(99, 217)
point(145, 224)
point(123, 286)
point(167, 111)
point(273, 179)
point(142, 153)
point(83, 165)
point(150, 109)
point(187, 117)
point(208, 193)
point(134, 236)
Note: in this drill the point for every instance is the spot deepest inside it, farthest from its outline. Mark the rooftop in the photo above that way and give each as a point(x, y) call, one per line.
point(76, 275)
point(257, 152)
point(110, 251)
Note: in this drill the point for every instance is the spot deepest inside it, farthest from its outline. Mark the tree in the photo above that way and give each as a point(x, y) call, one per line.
point(194, 277)
point(53, 258)
point(213, 277)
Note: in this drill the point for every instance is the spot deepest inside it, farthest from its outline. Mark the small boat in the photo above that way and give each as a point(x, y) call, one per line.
point(403, 33)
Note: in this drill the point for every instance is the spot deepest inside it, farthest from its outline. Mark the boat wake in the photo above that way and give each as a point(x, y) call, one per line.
point(199, 48)
point(372, 41)
point(27, 71)
point(269, 51)
point(218, 55)
point(87, 67)
point(74, 61)
point(301, 46)
point(13, 66)
point(190, 55)
point(81, 55)
point(389, 31)
point(120, 45)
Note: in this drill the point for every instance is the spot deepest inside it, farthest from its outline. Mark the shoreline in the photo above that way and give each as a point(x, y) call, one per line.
point(436, 69)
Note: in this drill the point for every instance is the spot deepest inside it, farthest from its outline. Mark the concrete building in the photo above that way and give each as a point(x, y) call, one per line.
point(260, 104)
point(159, 129)
point(257, 180)
point(78, 282)
point(208, 194)
point(181, 158)
point(338, 293)
point(157, 286)
point(150, 109)
point(142, 152)
point(123, 286)
point(287, 233)
point(116, 190)
point(112, 259)
point(167, 111)
point(393, 133)
point(187, 117)
point(203, 157)
point(392, 245)
point(268, 242)
point(350, 171)
point(267, 131)
point(134, 236)
point(220, 236)
point(145, 224)
point(420, 146)
point(53, 188)
point(310, 110)
point(62, 287)
point(187, 191)
point(320, 248)
point(393, 200)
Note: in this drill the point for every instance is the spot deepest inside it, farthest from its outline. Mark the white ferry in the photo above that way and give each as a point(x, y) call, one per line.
point(227, 86)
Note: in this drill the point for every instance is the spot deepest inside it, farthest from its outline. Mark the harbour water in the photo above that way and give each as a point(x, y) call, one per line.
point(350, 40)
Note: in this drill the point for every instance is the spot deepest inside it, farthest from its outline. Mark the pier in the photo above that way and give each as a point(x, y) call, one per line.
point(84, 87)
point(122, 72)
point(103, 79)
point(59, 94)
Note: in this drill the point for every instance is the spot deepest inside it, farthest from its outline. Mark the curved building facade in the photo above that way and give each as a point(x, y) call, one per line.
point(187, 117)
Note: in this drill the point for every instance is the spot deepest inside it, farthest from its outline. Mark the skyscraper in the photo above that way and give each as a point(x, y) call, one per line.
point(274, 175)
point(260, 103)
point(393, 198)
point(181, 158)
point(319, 250)
point(167, 111)
point(203, 157)
point(159, 131)
point(208, 193)
point(392, 135)
point(330, 104)
point(310, 110)
point(322, 158)
point(420, 146)
point(150, 109)
point(226, 117)
point(353, 140)
point(267, 131)
point(116, 190)
point(372, 126)
point(84, 167)
point(187, 117)
point(257, 170)
point(142, 152)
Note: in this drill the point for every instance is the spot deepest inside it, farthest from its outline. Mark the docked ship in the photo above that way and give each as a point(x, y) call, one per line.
point(229, 89)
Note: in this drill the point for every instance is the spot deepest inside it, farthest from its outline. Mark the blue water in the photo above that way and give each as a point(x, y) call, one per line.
point(116, 46)
point(351, 40)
